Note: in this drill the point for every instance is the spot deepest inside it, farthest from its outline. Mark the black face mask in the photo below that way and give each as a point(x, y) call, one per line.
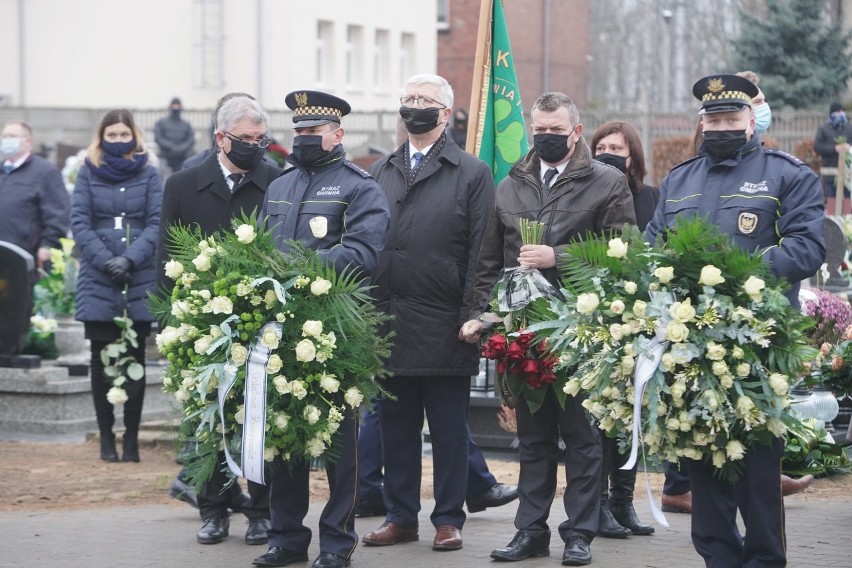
point(308, 149)
point(118, 148)
point(551, 147)
point(419, 120)
point(245, 158)
point(175, 112)
point(723, 144)
point(613, 160)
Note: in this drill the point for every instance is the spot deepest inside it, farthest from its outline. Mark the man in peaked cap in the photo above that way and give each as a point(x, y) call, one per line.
point(334, 207)
point(758, 197)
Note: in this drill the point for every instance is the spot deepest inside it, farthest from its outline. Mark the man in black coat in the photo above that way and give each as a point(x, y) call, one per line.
point(229, 183)
point(441, 198)
point(174, 136)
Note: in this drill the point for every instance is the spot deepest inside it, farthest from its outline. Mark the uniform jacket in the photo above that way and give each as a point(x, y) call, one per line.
point(426, 270)
point(342, 213)
point(824, 142)
point(765, 200)
point(98, 206)
point(200, 197)
point(588, 196)
point(34, 205)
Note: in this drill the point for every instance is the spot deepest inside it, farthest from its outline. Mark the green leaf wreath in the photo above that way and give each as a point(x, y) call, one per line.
point(724, 341)
point(236, 293)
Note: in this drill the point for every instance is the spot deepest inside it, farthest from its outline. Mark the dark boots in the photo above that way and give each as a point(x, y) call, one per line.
point(609, 527)
point(130, 446)
point(622, 482)
point(108, 452)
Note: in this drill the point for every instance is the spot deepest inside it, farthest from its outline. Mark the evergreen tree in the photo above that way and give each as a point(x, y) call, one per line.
point(802, 59)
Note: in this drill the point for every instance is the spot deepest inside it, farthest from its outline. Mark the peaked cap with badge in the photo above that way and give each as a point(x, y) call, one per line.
point(724, 93)
point(315, 108)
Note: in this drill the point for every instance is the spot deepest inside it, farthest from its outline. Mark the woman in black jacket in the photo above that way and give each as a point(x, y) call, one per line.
point(618, 144)
point(115, 215)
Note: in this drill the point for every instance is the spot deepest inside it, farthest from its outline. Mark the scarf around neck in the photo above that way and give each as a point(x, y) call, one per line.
point(118, 168)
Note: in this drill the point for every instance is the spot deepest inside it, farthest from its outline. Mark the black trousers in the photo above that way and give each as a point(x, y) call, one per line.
point(539, 454)
point(677, 479)
point(445, 400)
point(289, 498)
point(757, 495)
point(213, 501)
point(101, 384)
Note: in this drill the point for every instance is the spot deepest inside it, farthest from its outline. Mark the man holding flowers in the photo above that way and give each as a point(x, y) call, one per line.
point(229, 183)
point(558, 184)
point(765, 201)
point(334, 207)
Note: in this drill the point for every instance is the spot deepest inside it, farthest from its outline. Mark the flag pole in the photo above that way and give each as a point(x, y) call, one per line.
point(483, 55)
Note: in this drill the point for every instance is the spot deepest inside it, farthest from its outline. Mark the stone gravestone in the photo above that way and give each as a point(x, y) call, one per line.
point(17, 271)
point(835, 253)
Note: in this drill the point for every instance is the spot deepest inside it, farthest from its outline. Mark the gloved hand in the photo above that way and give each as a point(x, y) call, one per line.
point(118, 268)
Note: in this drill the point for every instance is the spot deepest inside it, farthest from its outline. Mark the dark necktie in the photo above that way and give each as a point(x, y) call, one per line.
point(418, 157)
point(236, 178)
point(548, 176)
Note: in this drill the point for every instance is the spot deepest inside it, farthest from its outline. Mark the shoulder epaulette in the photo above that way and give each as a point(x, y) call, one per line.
point(361, 171)
point(683, 163)
point(785, 155)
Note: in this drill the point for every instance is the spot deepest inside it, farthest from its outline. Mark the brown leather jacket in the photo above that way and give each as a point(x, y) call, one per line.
point(587, 197)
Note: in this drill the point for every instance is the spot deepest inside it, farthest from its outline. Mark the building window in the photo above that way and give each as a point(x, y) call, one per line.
point(325, 52)
point(354, 57)
point(443, 15)
point(381, 61)
point(407, 57)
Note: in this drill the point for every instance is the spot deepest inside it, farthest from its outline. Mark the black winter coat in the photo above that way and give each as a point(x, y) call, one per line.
point(426, 270)
point(200, 197)
point(98, 208)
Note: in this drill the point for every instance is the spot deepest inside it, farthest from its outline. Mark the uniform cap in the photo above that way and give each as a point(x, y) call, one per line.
point(315, 108)
point(723, 93)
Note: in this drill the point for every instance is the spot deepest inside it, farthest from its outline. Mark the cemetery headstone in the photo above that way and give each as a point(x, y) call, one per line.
point(17, 272)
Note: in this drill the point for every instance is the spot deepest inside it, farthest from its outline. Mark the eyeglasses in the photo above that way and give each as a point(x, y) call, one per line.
point(420, 101)
point(249, 142)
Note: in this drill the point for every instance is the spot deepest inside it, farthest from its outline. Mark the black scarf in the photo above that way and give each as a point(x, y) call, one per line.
point(118, 169)
point(412, 173)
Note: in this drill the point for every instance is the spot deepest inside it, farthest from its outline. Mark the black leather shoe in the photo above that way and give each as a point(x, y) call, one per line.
point(329, 560)
point(523, 546)
point(184, 492)
point(256, 531)
point(577, 552)
point(498, 495)
point(214, 530)
point(277, 556)
point(370, 508)
point(608, 526)
point(626, 517)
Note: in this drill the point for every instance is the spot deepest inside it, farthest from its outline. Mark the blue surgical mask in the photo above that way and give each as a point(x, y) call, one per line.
point(838, 119)
point(762, 118)
point(9, 146)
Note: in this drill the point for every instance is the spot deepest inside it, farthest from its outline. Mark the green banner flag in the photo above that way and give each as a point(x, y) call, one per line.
point(502, 138)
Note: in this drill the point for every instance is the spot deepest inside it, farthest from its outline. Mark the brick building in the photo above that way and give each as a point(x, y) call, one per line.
point(550, 44)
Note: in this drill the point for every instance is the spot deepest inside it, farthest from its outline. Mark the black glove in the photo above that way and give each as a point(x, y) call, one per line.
point(118, 268)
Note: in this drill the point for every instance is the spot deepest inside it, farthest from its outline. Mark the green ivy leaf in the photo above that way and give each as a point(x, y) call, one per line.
point(135, 371)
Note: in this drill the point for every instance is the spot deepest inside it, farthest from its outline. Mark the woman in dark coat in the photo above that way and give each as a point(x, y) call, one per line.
point(618, 144)
point(115, 215)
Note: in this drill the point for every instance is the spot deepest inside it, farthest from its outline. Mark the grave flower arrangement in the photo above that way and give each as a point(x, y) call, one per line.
point(689, 345)
point(266, 352)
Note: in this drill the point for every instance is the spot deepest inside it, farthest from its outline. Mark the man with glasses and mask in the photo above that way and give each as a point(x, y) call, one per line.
point(441, 198)
point(334, 207)
point(229, 183)
point(559, 184)
point(766, 201)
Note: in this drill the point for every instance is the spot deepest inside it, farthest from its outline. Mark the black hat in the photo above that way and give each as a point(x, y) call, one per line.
point(724, 93)
point(314, 108)
point(835, 106)
point(175, 101)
